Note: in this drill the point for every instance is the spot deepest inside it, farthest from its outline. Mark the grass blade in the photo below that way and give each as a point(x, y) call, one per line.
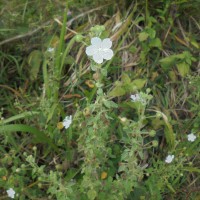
point(40, 136)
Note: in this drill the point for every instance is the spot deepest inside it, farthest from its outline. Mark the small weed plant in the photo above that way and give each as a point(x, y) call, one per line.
point(111, 142)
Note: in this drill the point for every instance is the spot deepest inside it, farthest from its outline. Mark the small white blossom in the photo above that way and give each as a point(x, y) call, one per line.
point(67, 121)
point(169, 158)
point(191, 137)
point(11, 193)
point(100, 49)
point(136, 97)
point(50, 49)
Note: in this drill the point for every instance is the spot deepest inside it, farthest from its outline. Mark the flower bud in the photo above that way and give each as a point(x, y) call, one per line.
point(155, 143)
point(34, 148)
point(78, 38)
point(18, 170)
point(23, 166)
point(148, 90)
point(25, 154)
point(97, 29)
point(158, 114)
point(59, 167)
point(152, 133)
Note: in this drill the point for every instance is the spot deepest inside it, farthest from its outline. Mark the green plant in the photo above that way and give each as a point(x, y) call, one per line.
point(75, 127)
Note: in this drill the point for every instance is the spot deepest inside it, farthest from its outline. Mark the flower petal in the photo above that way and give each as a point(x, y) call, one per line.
point(90, 50)
point(107, 54)
point(106, 43)
point(98, 58)
point(96, 42)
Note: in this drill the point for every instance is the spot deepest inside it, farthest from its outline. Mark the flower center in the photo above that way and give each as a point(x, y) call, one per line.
point(100, 49)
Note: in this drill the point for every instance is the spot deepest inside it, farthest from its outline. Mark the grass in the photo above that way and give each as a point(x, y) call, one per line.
point(114, 148)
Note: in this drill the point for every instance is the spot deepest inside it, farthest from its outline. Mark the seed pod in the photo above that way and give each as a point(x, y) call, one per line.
point(155, 143)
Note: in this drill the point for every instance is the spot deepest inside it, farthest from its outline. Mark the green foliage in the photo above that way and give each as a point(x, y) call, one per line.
point(127, 114)
point(126, 86)
point(34, 61)
point(182, 61)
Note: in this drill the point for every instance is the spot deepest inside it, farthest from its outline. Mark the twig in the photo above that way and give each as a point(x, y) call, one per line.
point(85, 13)
point(182, 31)
point(24, 35)
point(60, 23)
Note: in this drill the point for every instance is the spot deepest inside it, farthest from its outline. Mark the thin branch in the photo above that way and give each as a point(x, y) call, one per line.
point(25, 35)
point(85, 13)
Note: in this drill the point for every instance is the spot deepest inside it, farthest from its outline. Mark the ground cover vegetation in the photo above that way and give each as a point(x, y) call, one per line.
point(99, 100)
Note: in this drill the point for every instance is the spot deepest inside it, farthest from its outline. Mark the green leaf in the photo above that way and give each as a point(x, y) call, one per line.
point(169, 133)
point(170, 187)
point(71, 173)
point(94, 67)
point(132, 49)
point(126, 79)
point(40, 136)
point(155, 43)
point(69, 60)
point(19, 116)
point(168, 62)
point(138, 83)
point(191, 169)
point(110, 104)
point(183, 68)
point(34, 61)
point(151, 32)
point(143, 36)
point(195, 43)
point(172, 75)
point(92, 194)
point(52, 111)
point(117, 92)
point(58, 57)
point(104, 72)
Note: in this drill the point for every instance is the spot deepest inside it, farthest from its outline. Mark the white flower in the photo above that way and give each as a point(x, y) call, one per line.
point(191, 137)
point(136, 97)
point(100, 49)
point(169, 158)
point(11, 193)
point(67, 121)
point(50, 49)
